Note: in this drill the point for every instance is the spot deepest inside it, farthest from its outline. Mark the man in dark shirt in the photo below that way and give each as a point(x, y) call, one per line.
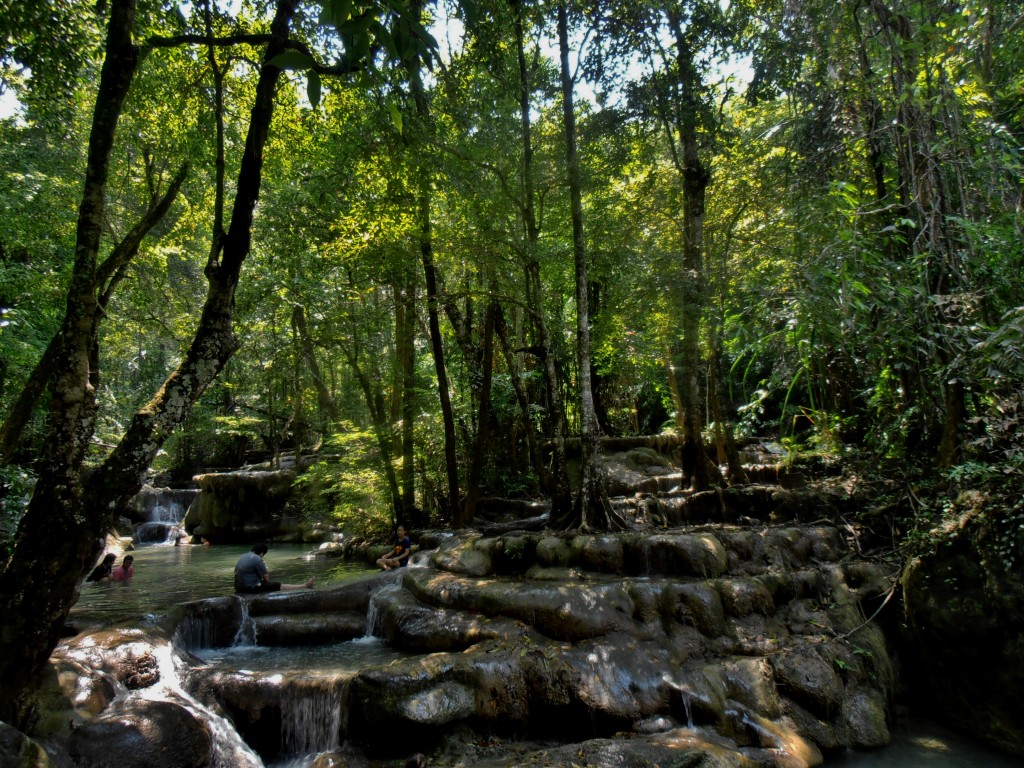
point(398, 557)
point(252, 576)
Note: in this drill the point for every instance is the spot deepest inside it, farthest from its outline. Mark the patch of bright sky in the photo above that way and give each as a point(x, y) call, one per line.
point(9, 104)
point(450, 35)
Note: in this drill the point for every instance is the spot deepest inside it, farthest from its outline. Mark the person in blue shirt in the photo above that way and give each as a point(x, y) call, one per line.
point(398, 557)
point(252, 576)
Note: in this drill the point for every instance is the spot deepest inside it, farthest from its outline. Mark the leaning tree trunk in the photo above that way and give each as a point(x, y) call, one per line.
point(512, 365)
point(40, 580)
point(63, 528)
point(374, 398)
point(308, 354)
point(108, 275)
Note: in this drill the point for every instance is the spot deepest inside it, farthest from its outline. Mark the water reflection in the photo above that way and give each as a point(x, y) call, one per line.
point(167, 575)
point(918, 743)
point(303, 662)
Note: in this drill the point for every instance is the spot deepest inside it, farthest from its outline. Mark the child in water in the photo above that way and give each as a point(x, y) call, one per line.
point(103, 570)
point(125, 570)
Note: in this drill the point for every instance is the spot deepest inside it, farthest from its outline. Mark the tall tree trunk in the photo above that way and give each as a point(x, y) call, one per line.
point(598, 381)
point(308, 353)
point(592, 507)
point(427, 256)
point(407, 365)
point(949, 445)
point(375, 404)
point(668, 358)
point(728, 452)
point(476, 358)
point(522, 398)
point(437, 349)
point(695, 176)
point(872, 112)
point(929, 201)
point(63, 528)
point(561, 494)
point(483, 418)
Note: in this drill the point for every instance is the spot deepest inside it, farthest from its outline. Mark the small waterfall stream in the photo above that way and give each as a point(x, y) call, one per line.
point(194, 633)
point(246, 634)
point(312, 718)
point(375, 611)
point(312, 707)
point(687, 698)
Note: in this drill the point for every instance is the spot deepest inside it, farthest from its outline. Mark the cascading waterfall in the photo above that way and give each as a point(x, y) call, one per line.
point(171, 511)
point(229, 749)
point(645, 554)
point(165, 516)
point(198, 632)
point(312, 718)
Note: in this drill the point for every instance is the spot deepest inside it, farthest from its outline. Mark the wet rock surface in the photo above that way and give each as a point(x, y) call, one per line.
point(711, 645)
point(728, 629)
point(142, 734)
point(243, 506)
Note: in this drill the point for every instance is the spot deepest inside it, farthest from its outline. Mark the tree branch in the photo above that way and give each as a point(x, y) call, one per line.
point(341, 68)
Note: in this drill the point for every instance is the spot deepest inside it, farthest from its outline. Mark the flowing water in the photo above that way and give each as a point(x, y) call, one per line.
point(309, 662)
point(166, 575)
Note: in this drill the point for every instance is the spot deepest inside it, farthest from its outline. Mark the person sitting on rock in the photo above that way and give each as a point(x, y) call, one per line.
point(103, 570)
point(252, 576)
point(125, 570)
point(399, 555)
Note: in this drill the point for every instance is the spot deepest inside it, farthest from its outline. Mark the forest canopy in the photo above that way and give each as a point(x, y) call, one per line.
point(439, 242)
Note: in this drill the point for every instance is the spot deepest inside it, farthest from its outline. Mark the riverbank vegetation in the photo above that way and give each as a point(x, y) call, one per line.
point(437, 256)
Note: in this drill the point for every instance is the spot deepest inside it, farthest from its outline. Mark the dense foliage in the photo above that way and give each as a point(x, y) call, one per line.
point(798, 218)
point(859, 283)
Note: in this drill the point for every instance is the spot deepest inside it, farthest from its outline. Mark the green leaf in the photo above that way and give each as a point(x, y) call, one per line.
point(384, 38)
point(860, 287)
point(292, 60)
point(421, 32)
point(396, 115)
point(355, 33)
point(342, 10)
point(313, 87)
